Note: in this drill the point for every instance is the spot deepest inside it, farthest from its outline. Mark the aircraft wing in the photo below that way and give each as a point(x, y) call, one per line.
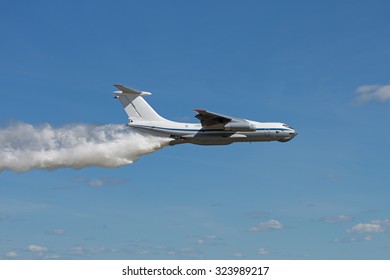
point(209, 118)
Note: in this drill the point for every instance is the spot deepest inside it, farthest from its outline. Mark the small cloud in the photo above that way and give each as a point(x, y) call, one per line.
point(364, 232)
point(53, 257)
point(56, 232)
point(368, 238)
point(11, 255)
point(210, 240)
point(375, 226)
point(36, 249)
point(366, 228)
point(237, 255)
point(262, 251)
point(100, 182)
point(3, 217)
point(190, 253)
point(367, 93)
point(95, 183)
point(106, 181)
point(200, 241)
point(353, 239)
point(77, 250)
point(344, 240)
point(211, 237)
point(257, 214)
point(96, 250)
point(336, 219)
point(84, 251)
point(65, 188)
point(142, 252)
point(269, 225)
point(333, 176)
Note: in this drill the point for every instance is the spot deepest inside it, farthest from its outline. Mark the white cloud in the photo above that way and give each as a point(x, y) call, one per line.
point(86, 251)
point(3, 217)
point(364, 232)
point(143, 252)
point(333, 176)
point(367, 228)
point(384, 223)
point(344, 240)
point(56, 232)
point(375, 226)
point(336, 219)
point(368, 238)
point(237, 255)
point(53, 257)
point(271, 224)
point(262, 251)
point(367, 93)
point(96, 250)
point(257, 214)
point(11, 255)
point(190, 253)
point(36, 248)
point(100, 182)
point(210, 240)
point(95, 183)
point(77, 250)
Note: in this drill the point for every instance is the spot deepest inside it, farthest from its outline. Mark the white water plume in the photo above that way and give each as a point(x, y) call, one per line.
point(24, 146)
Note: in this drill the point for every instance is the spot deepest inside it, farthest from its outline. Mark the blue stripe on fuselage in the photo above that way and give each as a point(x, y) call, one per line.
point(196, 130)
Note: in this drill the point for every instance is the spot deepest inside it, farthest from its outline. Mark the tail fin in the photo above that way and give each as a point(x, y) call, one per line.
point(135, 106)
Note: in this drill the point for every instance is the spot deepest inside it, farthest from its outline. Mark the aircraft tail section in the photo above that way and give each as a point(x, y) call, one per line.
point(135, 105)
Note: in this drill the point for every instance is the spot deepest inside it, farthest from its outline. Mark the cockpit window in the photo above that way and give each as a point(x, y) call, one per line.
point(285, 125)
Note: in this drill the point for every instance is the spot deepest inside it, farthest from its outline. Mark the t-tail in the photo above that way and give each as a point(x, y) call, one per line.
point(135, 105)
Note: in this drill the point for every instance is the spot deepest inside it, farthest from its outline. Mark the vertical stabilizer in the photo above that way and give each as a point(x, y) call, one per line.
point(135, 105)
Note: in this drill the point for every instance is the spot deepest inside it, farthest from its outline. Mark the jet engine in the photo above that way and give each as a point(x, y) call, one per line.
point(240, 126)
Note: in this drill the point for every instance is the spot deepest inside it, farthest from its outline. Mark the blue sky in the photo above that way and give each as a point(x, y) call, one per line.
point(321, 67)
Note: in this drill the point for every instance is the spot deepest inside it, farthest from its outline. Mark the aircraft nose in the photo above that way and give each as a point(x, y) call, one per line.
point(293, 133)
point(287, 137)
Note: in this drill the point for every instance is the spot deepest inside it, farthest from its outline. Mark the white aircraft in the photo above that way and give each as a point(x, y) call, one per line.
point(214, 129)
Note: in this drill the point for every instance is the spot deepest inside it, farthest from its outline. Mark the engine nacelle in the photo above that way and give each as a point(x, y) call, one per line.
point(240, 126)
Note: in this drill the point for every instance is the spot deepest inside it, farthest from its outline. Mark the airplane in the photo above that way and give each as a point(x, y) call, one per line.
point(214, 129)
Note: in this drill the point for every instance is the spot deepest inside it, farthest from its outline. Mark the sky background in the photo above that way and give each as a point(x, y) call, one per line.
point(319, 66)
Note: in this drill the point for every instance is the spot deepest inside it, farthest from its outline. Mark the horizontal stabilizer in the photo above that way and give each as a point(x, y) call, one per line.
point(135, 106)
point(128, 91)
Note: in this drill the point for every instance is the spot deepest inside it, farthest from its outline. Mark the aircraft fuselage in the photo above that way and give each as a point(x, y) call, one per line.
point(216, 135)
point(214, 128)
